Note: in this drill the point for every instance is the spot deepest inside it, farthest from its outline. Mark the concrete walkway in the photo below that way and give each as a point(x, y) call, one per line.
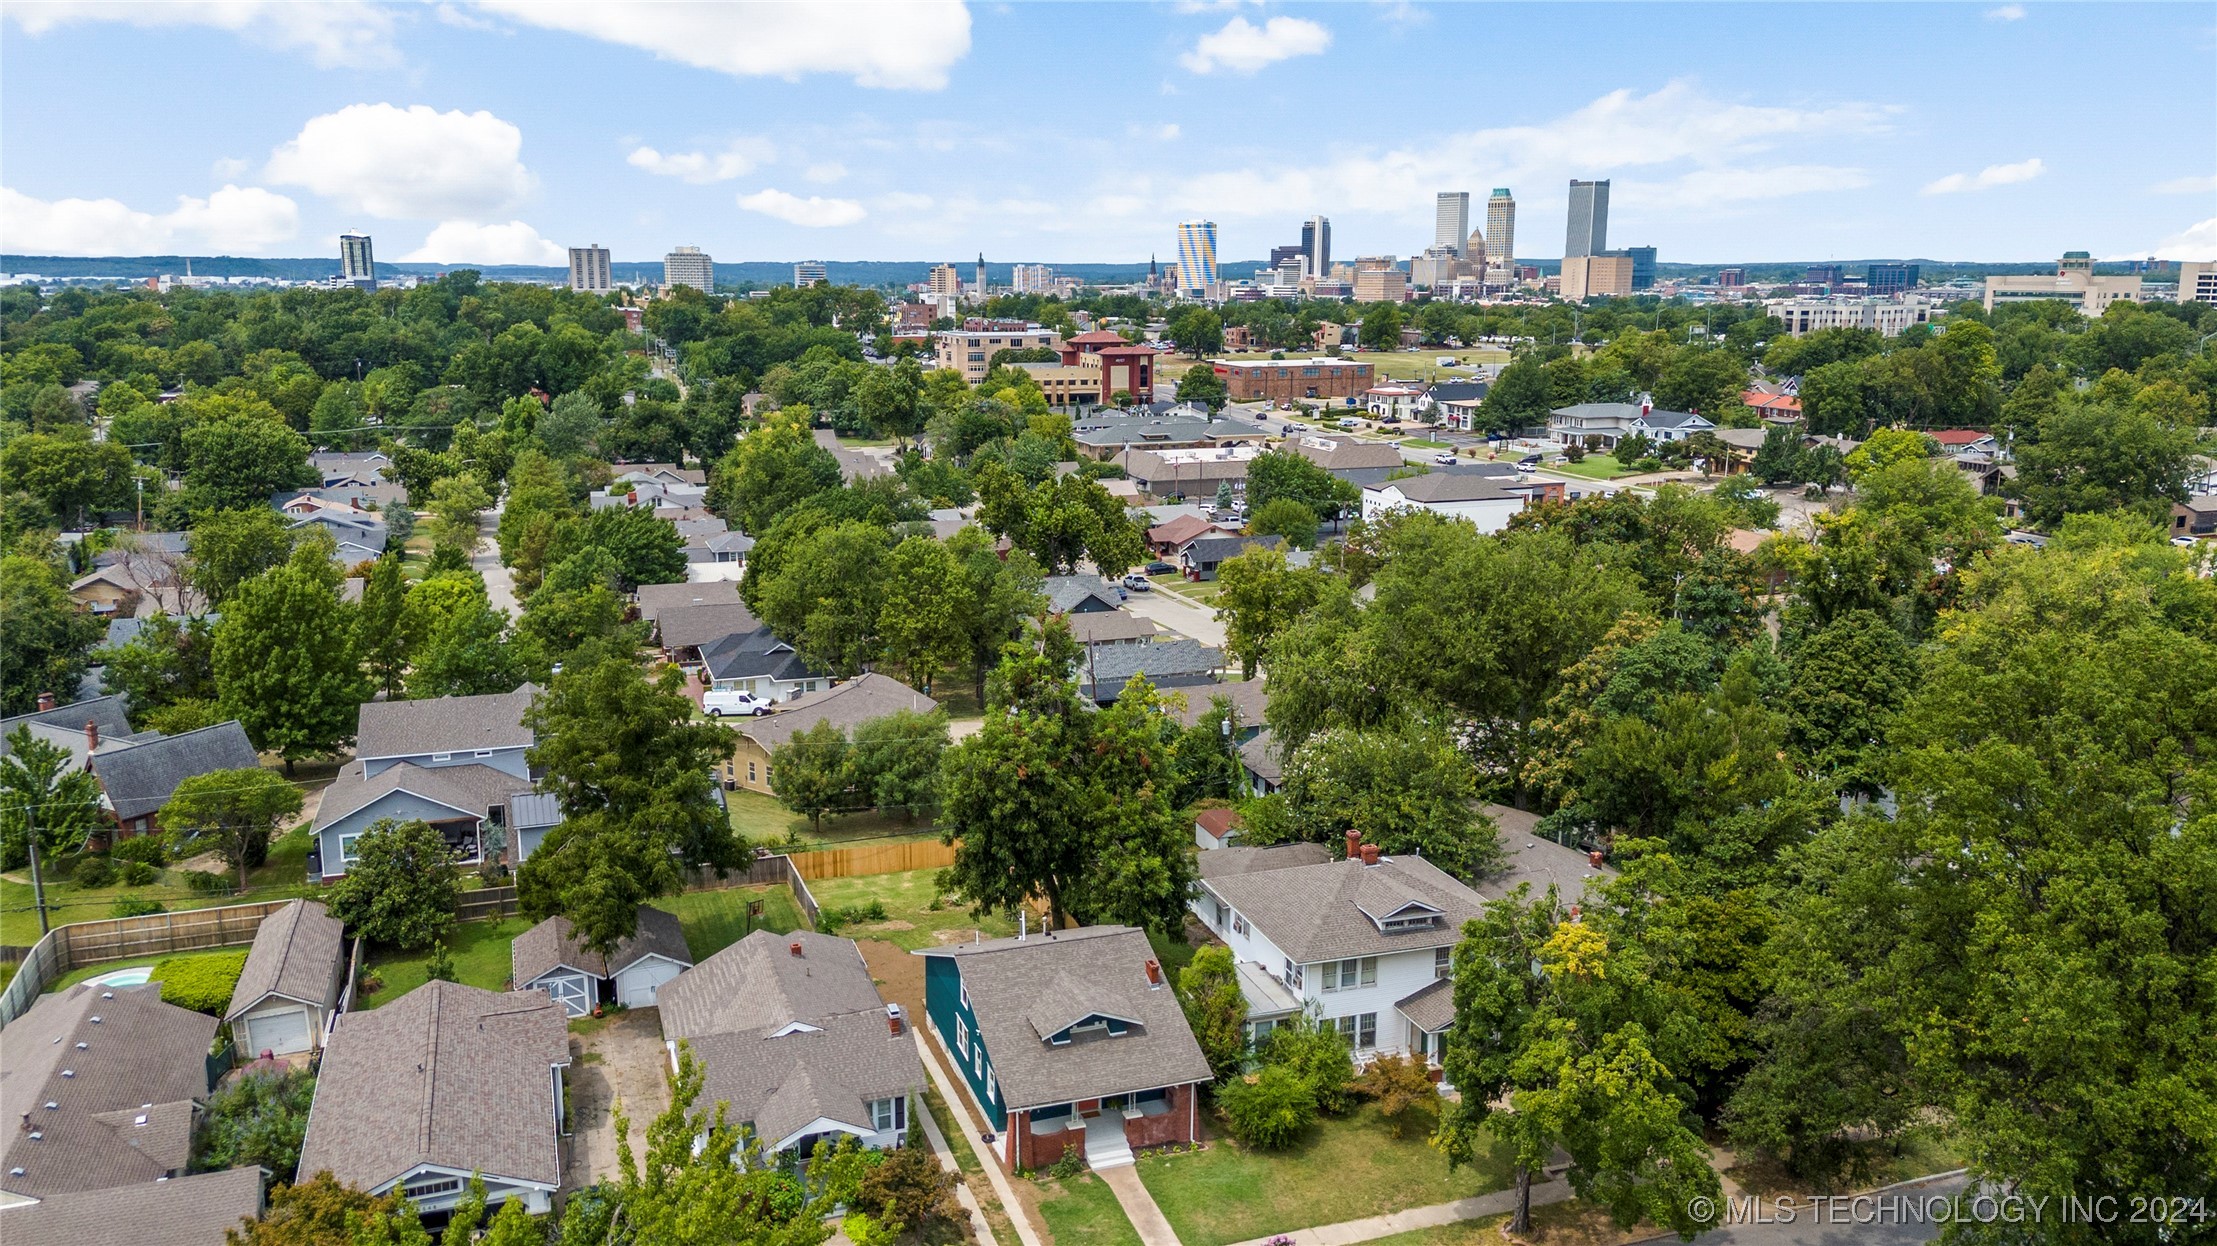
point(1139, 1206)
point(970, 1131)
point(981, 1231)
point(1497, 1203)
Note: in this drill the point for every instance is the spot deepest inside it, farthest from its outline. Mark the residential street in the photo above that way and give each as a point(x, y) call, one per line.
point(1807, 1230)
point(1179, 615)
point(500, 582)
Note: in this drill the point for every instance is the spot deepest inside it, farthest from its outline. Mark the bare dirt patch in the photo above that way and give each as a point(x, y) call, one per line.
point(623, 1059)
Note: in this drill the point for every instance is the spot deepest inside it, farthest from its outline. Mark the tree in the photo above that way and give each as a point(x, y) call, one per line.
point(401, 887)
point(826, 597)
point(456, 504)
point(1408, 791)
point(466, 653)
point(41, 787)
point(231, 547)
point(1403, 1090)
point(167, 662)
point(1381, 327)
point(809, 772)
point(259, 1120)
point(1520, 396)
point(910, 1189)
point(1702, 379)
point(1848, 680)
point(1268, 1109)
point(320, 1212)
point(48, 637)
point(2107, 450)
point(642, 548)
point(1886, 447)
point(1215, 1009)
point(630, 768)
point(1285, 518)
point(773, 469)
point(895, 759)
point(1778, 459)
point(1202, 385)
point(385, 642)
point(892, 401)
point(1198, 332)
point(570, 426)
point(69, 473)
point(920, 620)
point(995, 598)
point(234, 809)
point(240, 460)
point(286, 661)
point(1286, 475)
point(1259, 596)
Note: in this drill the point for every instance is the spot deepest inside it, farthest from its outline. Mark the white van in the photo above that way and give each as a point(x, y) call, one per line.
point(717, 704)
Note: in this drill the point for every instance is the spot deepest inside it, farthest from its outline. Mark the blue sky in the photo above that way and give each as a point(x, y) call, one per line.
point(503, 130)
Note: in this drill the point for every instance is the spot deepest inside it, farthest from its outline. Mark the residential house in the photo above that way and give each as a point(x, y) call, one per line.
point(1670, 425)
point(2195, 517)
point(655, 599)
point(1965, 441)
point(342, 467)
point(1487, 502)
point(108, 591)
point(855, 465)
point(1247, 698)
point(1068, 1041)
point(1260, 764)
point(696, 532)
point(1457, 402)
point(1774, 408)
point(1610, 422)
point(455, 762)
point(1080, 594)
point(1216, 828)
point(866, 698)
point(726, 549)
point(417, 1095)
point(139, 777)
point(1200, 559)
point(794, 1039)
point(760, 663)
point(1104, 670)
point(1397, 400)
point(1741, 445)
point(1170, 537)
point(550, 957)
point(1188, 473)
point(96, 722)
point(687, 632)
point(360, 534)
point(653, 490)
point(101, 1088)
point(378, 494)
point(1344, 457)
point(288, 994)
point(1110, 627)
point(198, 1210)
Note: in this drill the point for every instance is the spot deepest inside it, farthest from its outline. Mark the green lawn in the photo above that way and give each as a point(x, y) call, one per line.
point(481, 959)
point(1175, 954)
point(910, 922)
point(1343, 1170)
point(759, 819)
point(1593, 467)
point(104, 968)
point(1083, 1211)
point(1203, 591)
point(282, 877)
point(714, 920)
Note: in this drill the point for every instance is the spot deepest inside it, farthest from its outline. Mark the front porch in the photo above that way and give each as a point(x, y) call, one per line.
point(1106, 1130)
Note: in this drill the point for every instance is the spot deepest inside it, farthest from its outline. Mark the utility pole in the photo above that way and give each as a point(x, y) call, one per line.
point(38, 883)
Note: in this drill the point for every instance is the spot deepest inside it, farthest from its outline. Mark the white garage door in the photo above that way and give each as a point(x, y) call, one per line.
point(279, 1032)
point(636, 986)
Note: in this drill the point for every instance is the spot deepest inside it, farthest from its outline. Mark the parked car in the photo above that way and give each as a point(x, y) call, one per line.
point(1161, 568)
point(1348, 426)
point(717, 704)
point(1138, 583)
point(1287, 429)
point(1528, 462)
point(1445, 458)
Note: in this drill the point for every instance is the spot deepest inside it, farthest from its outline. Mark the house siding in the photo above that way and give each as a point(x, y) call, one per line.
point(952, 1018)
point(399, 806)
point(505, 760)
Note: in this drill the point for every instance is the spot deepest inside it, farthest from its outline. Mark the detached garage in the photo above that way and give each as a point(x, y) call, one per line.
point(291, 983)
point(548, 957)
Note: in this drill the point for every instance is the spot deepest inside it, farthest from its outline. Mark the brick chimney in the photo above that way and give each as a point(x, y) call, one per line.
point(794, 947)
point(92, 736)
point(1354, 845)
point(1594, 858)
point(1154, 974)
point(1370, 854)
point(893, 1021)
point(45, 701)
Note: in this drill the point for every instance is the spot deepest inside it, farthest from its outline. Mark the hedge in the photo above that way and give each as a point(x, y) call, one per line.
point(202, 983)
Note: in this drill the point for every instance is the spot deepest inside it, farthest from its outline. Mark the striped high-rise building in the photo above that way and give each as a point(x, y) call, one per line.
point(589, 270)
point(1451, 222)
point(357, 262)
point(1501, 227)
point(689, 266)
point(1196, 258)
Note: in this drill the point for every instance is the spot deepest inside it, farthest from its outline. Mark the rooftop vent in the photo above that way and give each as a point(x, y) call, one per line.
point(37, 1134)
point(105, 995)
point(69, 1072)
point(140, 1119)
point(83, 1046)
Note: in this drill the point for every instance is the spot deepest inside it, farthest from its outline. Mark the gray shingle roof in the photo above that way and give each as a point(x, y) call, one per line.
point(299, 953)
point(446, 1074)
point(140, 779)
point(1260, 755)
point(1105, 669)
point(1247, 696)
point(1016, 985)
point(108, 713)
point(1102, 627)
point(654, 599)
point(554, 943)
point(753, 654)
point(758, 983)
point(1329, 911)
point(785, 1082)
point(1335, 454)
point(470, 789)
point(862, 699)
point(1454, 487)
point(1431, 1007)
point(444, 724)
point(1225, 862)
point(137, 1051)
point(191, 1211)
point(1067, 593)
point(1540, 862)
point(690, 626)
point(1218, 548)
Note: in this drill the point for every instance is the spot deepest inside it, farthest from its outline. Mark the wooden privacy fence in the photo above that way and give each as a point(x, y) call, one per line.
point(485, 904)
point(916, 854)
point(125, 938)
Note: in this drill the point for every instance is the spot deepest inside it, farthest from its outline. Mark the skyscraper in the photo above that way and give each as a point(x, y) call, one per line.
point(945, 282)
point(1589, 219)
point(1196, 258)
point(1451, 220)
point(810, 273)
point(589, 270)
point(1316, 243)
point(1643, 267)
point(981, 275)
point(689, 266)
point(1501, 227)
point(1032, 279)
point(357, 265)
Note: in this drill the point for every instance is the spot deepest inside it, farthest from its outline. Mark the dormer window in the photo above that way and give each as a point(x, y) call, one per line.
point(1395, 925)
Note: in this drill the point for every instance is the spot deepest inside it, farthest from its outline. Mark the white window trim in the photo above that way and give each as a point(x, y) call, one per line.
point(346, 854)
point(442, 757)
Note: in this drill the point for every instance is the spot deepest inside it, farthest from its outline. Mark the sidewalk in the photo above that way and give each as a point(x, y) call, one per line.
point(1500, 1202)
point(971, 1129)
point(980, 1229)
point(1139, 1206)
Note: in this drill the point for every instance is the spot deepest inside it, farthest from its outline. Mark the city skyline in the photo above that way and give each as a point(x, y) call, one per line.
point(859, 143)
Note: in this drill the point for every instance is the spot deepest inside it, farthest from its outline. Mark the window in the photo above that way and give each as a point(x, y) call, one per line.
point(1443, 962)
point(965, 989)
point(887, 1114)
point(1239, 924)
point(483, 752)
point(1292, 976)
point(1360, 1030)
point(1346, 975)
point(1224, 915)
point(346, 848)
point(750, 772)
point(977, 1064)
point(423, 1189)
point(442, 757)
point(962, 1036)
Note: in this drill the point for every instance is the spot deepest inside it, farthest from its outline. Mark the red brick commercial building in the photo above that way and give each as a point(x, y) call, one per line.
point(1291, 380)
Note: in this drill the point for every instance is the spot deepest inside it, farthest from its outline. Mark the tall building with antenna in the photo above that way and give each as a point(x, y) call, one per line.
point(981, 277)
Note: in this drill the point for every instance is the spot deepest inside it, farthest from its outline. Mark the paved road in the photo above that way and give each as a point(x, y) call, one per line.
point(500, 583)
point(1179, 615)
point(1841, 1227)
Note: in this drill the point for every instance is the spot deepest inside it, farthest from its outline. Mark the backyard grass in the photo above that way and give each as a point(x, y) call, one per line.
point(911, 922)
point(1342, 1170)
point(481, 959)
point(714, 920)
point(282, 877)
point(759, 819)
point(1083, 1211)
point(1593, 467)
point(104, 968)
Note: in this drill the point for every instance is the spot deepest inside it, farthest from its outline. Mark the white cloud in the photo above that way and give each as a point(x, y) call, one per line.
point(409, 163)
point(346, 33)
point(1711, 189)
point(2006, 13)
point(1244, 47)
point(813, 212)
point(2197, 242)
point(1987, 178)
point(738, 158)
point(233, 220)
point(2205, 184)
point(825, 172)
point(897, 44)
point(1169, 132)
point(466, 242)
point(230, 167)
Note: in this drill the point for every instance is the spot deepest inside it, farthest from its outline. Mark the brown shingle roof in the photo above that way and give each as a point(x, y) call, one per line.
point(182, 1211)
point(1102, 627)
point(784, 1082)
point(859, 700)
point(654, 599)
point(1248, 698)
point(689, 626)
point(1217, 822)
point(758, 983)
point(446, 1074)
point(554, 943)
point(299, 953)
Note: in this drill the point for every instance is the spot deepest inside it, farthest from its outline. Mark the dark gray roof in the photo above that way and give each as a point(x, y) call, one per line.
point(758, 983)
point(1022, 990)
point(1067, 593)
point(122, 632)
point(140, 779)
point(1261, 756)
point(347, 530)
point(446, 1074)
point(756, 654)
point(1660, 418)
point(530, 809)
point(654, 599)
point(1105, 669)
point(471, 789)
point(1455, 487)
point(191, 1211)
point(1210, 549)
point(553, 943)
point(1459, 391)
point(1431, 1007)
point(730, 543)
point(444, 724)
point(108, 713)
point(863, 699)
point(172, 543)
point(122, 1101)
point(690, 626)
point(1099, 430)
point(1541, 862)
point(299, 953)
point(1225, 862)
point(1325, 912)
point(785, 1081)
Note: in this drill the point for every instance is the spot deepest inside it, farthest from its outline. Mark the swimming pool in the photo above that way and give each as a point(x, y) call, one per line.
point(127, 977)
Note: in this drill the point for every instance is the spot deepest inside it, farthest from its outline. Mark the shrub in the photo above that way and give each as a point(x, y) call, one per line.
point(1648, 464)
point(206, 882)
point(1403, 1090)
point(910, 1189)
point(147, 848)
point(258, 1120)
point(1070, 1164)
point(1269, 1109)
point(1574, 452)
point(133, 906)
point(401, 888)
point(201, 983)
point(440, 968)
point(1317, 1054)
point(138, 873)
point(93, 872)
